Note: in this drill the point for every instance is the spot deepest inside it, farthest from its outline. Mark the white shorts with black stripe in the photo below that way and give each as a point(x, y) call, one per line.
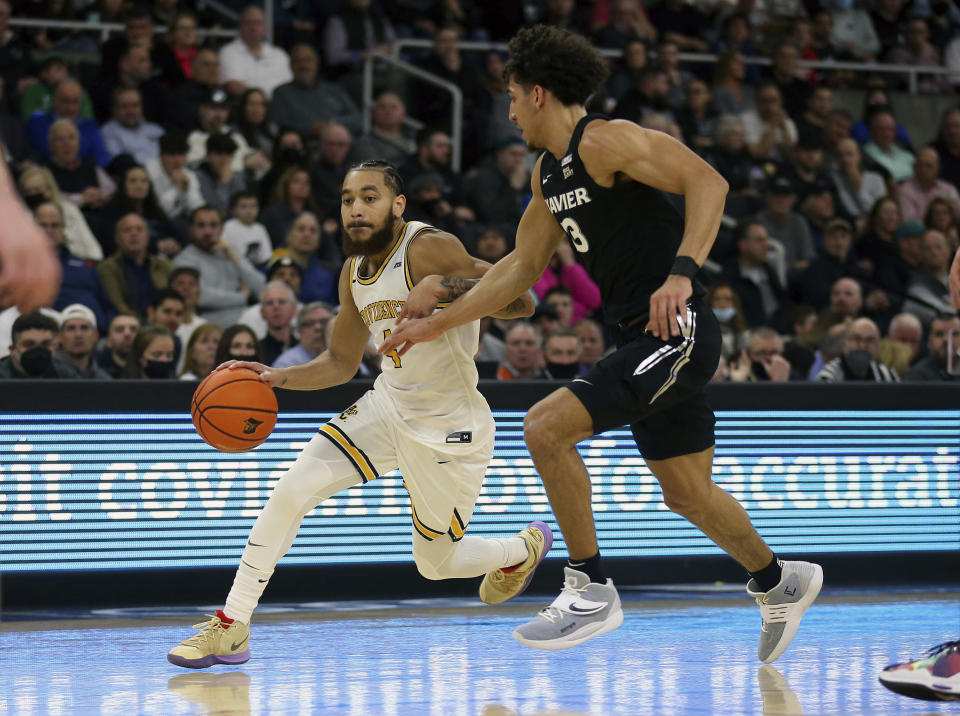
point(365, 441)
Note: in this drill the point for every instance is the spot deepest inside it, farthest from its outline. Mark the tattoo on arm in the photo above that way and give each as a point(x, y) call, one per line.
point(515, 309)
point(456, 286)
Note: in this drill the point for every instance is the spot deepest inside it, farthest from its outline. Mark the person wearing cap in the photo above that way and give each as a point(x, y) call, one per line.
point(806, 171)
point(916, 193)
point(284, 268)
point(128, 132)
point(496, 189)
point(213, 115)
point(546, 319)
point(834, 260)
point(786, 225)
point(38, 96)
point(78, 336)
point(177, 187)
point(251, 61)
point(218, 180)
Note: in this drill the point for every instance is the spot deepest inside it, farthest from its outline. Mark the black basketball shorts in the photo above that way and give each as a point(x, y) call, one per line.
point(656, 387)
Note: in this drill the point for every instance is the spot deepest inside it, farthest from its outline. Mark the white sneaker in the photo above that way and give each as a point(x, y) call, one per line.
point(583, 610)
point(216, 643)
point(782, 608)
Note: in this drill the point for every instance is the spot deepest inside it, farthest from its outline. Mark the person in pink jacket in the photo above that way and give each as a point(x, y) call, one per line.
point(564, 270)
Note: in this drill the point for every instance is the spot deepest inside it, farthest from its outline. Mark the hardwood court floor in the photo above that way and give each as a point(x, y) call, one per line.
point(678, 653)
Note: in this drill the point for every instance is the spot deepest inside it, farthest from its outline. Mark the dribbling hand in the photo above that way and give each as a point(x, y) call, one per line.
point(274, 377)
point(667, 304)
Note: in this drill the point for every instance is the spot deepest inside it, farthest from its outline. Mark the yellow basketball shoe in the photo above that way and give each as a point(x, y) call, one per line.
point(219, 641)
point(507, 582)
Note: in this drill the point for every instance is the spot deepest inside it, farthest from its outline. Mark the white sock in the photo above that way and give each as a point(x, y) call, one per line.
point(470, 557)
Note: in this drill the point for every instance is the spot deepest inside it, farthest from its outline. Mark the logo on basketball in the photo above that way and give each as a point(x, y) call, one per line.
point(250, 426)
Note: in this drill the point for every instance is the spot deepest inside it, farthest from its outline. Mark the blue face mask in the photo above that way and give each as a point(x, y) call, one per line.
point(724, 314)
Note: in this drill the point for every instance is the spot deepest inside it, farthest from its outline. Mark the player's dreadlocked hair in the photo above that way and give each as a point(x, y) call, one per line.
point(391, 177)
point(557, 60)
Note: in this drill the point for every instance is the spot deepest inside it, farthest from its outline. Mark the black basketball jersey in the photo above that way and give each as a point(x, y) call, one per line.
point(625, 236)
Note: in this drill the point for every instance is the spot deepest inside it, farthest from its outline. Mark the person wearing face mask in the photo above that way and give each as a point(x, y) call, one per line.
point(238, 342)
point(561, 355)
point(859, 359)
point(152, 354)
point(725, 304)
point(34, 337)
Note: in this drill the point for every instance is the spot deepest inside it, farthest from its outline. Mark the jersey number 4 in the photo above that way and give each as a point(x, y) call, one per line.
point(577, 238)
point(392, 354)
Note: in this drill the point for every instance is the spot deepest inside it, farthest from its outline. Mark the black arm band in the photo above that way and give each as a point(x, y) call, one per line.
point(684, 266)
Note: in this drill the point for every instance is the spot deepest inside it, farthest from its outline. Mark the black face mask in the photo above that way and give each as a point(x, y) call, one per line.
point(563, 371)
point(158, 369)
point(235, 356)
point(36, 361)
point(858, 363)
point(291, 155)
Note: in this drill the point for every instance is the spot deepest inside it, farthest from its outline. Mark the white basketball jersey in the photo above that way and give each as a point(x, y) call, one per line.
point(433, 386)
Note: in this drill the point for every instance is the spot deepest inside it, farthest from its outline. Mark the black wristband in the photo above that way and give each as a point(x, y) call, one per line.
point(684, 266)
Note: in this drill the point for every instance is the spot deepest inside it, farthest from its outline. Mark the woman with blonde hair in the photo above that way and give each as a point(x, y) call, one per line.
point(200, 352)
point(39, 182)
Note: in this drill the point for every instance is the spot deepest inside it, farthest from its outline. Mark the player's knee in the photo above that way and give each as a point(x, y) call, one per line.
point(684, 500)
point(428, 568)
point(538, 433)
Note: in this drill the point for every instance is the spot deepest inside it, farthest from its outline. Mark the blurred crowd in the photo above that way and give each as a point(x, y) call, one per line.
point(191, 186)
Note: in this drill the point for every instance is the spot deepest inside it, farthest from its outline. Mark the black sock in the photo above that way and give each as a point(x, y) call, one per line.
point(592, 567)
point(769, 577)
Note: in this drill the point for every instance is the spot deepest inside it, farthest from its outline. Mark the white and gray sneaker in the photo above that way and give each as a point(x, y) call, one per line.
point(583, 610)
point(782, 608)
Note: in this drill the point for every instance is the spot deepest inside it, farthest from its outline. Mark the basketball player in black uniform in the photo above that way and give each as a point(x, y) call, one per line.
point(600, 184)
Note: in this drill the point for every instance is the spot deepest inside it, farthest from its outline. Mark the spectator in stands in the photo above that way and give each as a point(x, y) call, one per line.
point(806, 171)
point(201, 352)
point(238, 343)
point(786, 225)
point(523, 359)
point(591, 342)
point(934, 365)
point(152, 355)
point(138, 31)
point(67, 98)
point(243, 233)
point(329, 168)
point(292, 196)
point(281, 271)
point(78, 336)
point(731, 93)
point(732, 159)
point(16, 60)
point(278, 308)
point(762, 360)
point(134, 72)
point(256, 128)
point(883, 148)
point(38, 97)
point(287, 270)
point(434, 150)
point(836, 129)
point(186, 97)
point(308, 102)
point(768, 130)
point(117, 345)
point(351, 34)
point(628, 21)
point(564, 14)
point(726, 306)
point(227, 281)
point(943, 216)
point(834, 260)
point(289, 150)
point(785, 75)
point(889, 19)
point(128, 132)
point(929, 288)
point(131, 276)
point(135, 195)
point(625, 73)
point(183, 43)
point(846, 304)
point(916, 193)
point(561, 354)
point(491, 246)
point(176, 186)
point(499, 186)
point(875, 97)
point(218, 179)
point(251, 61)
point(545, 320)
point(853, 32)
point(916, 49)
point(13, 140)
point(185, 280)
point(302, 244)
point(697, 118)
point(858, 189)
point(948, 147)
point(817, 107)
point(80, 178)
point(214, 113)
point(33, 339)
point(37, 185)
point(762, 295)
point(677, 78)
point(818, 209)
point(166, 309)
point(562, 301)
point(387, 138)
point(800, 349)
point(906, 328)
point(311, 321)
point(564, 270)
point(858, 361)
point(80, 282)
point(679, 23)
point(650, 95)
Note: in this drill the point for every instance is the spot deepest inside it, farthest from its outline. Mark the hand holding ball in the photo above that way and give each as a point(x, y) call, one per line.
point(233, 410)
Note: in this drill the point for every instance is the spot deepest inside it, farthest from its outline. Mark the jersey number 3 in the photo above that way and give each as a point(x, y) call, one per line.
point(577, 238)
point(393, 355)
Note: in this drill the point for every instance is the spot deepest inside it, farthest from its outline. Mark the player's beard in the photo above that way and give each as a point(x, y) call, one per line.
point(380, 238)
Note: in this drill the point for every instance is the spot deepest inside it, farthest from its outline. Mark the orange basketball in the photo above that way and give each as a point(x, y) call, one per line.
point(233, 410)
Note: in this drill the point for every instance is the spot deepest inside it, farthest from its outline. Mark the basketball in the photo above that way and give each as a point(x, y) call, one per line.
point(233, 410)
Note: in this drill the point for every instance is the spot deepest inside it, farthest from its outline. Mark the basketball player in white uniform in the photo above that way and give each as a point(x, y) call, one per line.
point(423, 416)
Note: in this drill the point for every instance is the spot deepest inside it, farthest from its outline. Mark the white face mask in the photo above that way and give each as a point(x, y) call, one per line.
point(724, 314)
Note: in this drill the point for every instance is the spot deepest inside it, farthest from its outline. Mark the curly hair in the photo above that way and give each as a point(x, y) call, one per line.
point(558, 60)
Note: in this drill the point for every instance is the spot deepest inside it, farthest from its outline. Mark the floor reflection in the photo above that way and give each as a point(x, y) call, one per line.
point(669, 658)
